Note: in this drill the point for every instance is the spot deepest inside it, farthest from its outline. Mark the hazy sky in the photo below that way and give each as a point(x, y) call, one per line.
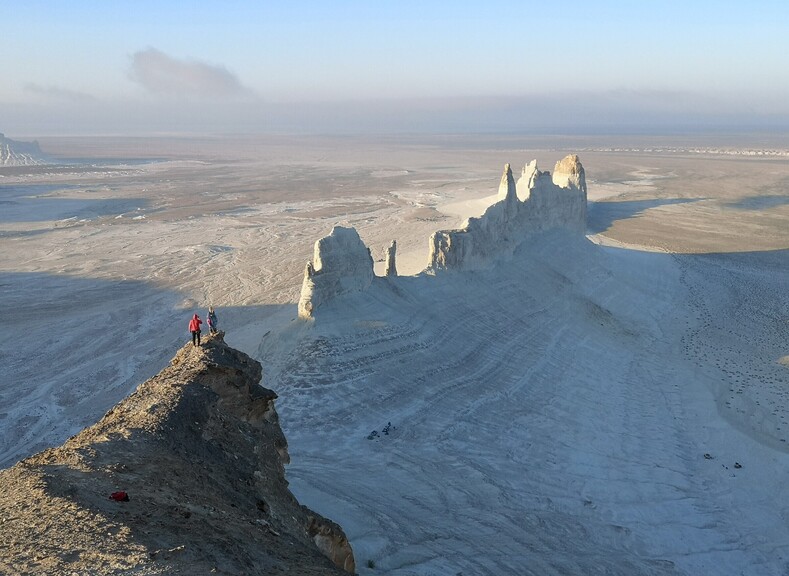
point(376, 65)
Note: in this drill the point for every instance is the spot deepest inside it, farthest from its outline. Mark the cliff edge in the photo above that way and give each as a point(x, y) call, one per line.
point(199, 452)
point(16, 153)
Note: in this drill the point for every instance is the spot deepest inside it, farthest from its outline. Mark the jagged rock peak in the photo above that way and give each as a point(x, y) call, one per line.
point(507, 185)
point(536, 204)
point(200, 454)
point(527, 180)
point(341, 264)
point(570, 172)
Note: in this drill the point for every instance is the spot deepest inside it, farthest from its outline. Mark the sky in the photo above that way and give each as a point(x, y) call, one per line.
point(136, 67)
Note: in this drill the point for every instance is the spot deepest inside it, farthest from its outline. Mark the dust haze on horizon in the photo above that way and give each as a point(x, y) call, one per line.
point(145, 68)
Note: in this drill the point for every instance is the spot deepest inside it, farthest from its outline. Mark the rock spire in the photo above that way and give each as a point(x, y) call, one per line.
point(341, 264)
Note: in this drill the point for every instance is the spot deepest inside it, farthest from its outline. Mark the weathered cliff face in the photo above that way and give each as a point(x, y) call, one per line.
point(538, 202)
point(200, 453)
point(569, 172)
point(391, 255)
point(341, 264)
point(16, 153)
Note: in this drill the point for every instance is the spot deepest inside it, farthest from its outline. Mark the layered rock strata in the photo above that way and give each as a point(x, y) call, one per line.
point(199, 452)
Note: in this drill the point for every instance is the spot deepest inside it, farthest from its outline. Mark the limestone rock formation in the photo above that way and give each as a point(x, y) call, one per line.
point(199, 452)
point(528, 178)
point(569, 172)
point(391, 253)
point(507, 191)
point(535, 204)
point(341, 264)
point(16, 153)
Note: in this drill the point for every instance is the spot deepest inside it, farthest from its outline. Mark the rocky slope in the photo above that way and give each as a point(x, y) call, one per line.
point(16, 153)
point(200, 454)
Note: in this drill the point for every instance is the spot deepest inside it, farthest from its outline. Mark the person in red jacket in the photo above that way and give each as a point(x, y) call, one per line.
point(194, 328)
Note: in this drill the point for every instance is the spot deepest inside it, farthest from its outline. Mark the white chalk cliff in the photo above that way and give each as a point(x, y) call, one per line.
point(538, 202)
point(391, 255)
point(15, 153)
point(341, 264)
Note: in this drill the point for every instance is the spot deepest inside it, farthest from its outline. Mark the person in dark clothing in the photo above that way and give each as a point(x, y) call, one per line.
point(194, 328)
point(212, 320)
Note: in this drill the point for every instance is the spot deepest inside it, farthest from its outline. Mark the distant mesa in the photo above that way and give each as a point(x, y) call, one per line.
point(185, 476)
point(536, 203)
point(16, 153)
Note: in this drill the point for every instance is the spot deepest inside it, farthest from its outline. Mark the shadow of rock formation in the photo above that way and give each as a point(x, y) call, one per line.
point(602, 215)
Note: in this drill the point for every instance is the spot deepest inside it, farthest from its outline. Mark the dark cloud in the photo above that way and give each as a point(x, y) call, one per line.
point(163, 75)
point(55, 93)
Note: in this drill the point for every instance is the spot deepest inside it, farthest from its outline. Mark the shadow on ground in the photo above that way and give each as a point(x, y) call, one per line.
point(760, 202)
point(602, 215)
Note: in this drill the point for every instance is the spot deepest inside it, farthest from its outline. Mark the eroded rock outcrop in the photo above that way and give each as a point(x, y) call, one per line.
point(569, 172)
point(538, 202)
point(391, 255)
point(200, 454)
point(341, 264)
point(526, 182)
point(16, 153)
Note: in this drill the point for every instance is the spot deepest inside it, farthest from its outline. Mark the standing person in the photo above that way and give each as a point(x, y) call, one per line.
point(212, 320)
point(194, 328)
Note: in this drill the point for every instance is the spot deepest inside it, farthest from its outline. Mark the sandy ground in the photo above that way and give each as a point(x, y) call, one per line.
point(571, 415)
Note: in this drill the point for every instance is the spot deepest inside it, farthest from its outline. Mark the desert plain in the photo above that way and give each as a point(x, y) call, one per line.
point(611, 404)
